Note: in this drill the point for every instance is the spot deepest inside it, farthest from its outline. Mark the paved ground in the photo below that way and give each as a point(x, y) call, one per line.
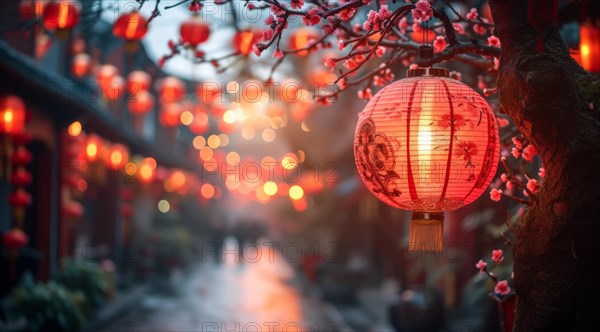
point(231, 296)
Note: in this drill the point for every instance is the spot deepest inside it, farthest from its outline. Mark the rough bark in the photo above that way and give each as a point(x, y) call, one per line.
point(557, 253)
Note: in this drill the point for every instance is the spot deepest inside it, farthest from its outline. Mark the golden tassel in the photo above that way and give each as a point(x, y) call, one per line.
point(426, 232)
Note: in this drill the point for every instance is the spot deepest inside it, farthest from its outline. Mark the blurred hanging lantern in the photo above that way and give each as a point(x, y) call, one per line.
point(428, 144)
point(137, 81)
point(302, 38)
point(193, 31)
point(93, 148)
point(245, 39)
point(170, 114)
point(115, 89)
point(146, 170)
point(200, 123)
point(589, 47)
point(61, 14)
point(141, 103)
point(321, 78)
point(31, 9)
point(20, 199)
point(131, 26)
point(12, 115)
point(82, 63)
point(423, 36)
point(207, 92)
point(15, 239)
point(170, 89)
point(105, 75)
point(117, 157)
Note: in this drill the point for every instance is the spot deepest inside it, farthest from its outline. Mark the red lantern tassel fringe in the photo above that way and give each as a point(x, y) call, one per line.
point(426, 232)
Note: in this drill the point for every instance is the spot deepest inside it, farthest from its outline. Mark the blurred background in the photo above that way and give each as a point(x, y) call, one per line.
point(142, 196)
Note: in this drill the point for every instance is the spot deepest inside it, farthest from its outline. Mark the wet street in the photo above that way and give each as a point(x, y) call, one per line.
point(231, 296)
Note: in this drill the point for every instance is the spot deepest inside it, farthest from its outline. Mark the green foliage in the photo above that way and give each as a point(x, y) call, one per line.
point(48, 305)
point(87, 278)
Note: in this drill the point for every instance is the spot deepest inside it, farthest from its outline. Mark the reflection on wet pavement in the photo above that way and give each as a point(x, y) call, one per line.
point(249, 296)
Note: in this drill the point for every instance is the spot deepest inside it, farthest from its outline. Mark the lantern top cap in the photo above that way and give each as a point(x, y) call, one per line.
point(428, 71)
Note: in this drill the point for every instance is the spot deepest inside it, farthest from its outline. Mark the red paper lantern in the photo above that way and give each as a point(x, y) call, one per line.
point(193, 31)
point(21, 157)
point(245, 39)
point(170, 89)
point(19, 198)
point(21, 178)
point(115, 89)
point(138, 81)
point(200, 123)
point(303, 38)
point(61, 15)
point(427, 144)
point(15, 239)
point(170, 114)
point(117, 157)
point(131, 26)
point(72, 210)
point(12, 115)
point(141, 102)
point(589, 47)
point(82, 63)
point(105, 75)
point(31, 9)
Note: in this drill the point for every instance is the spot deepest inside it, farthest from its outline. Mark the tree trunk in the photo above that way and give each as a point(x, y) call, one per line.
point(557, 258)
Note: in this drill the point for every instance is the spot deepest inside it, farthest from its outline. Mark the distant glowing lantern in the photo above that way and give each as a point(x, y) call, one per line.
point(93, 148)
point(141, 103)
point(170, 89)
point(31, 9)
point(82, 63)
point(245, 39)
point(193, 31)
point(131, 26)
point(207, 92)
point(303, 38)
point(115, 89)
point(117, 157)
point(170, 114)
point(61, 14)
point(15, 239)
point(422, 37)
point(137, 81)
point(105, 75)
point(589, 47)
point(322, 78)
point(12, 115)
point(428, 144)
point(200, 123)
point(19, 198)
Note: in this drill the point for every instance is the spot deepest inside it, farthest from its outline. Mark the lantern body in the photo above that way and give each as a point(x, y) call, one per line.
point(427, 144)
point(170, 114)
point(131, 26)
point(12, 115)
point(138, 81)
point(31, 9)
point(105, 75)
point(15, 239)
point(194, 32)
point(244, 40)
point(589, 47)
point(60, 15)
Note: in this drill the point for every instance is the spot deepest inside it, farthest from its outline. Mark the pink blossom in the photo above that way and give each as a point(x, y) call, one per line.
point(542, 172)
point(591, 106)
point(532, 185)
point(384, 13)
point(493, 41)
point(256, 50)
point(456, 75)
point(346, 15)
point(380, 51)
point(267, 35)
point(481, 265)
point(479, 29)
point(341, 45)
point(269, 20)
point(496, 63)
point(251, 6)
point(365, 94)
point(413, 66)
point(278, 54)
point(342, 83)
point(417, 27)
point(529, 152)
point(472, 15)
point(296, 4)
point(195, 7)
point(311, 17)
point(403, 25)
point(515, 152)
point(458, 28)
point(496, 194)
point(518, 142)
point(350, 64)
point(329, 62)
point(509, 185)
point(439, 44)
point(497, 256)
point(481, 84)
point(502, 287)
point(502, 122)
point(503, 177)
point(366, 2)
point(423, 11)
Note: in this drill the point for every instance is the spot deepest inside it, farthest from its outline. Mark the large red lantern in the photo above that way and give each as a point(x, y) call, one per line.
point(12, 115)
point(193, 31)
point(428, 144)
point(170, 89)
point(61, 14)
point(245, 39)
point(131, 26)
